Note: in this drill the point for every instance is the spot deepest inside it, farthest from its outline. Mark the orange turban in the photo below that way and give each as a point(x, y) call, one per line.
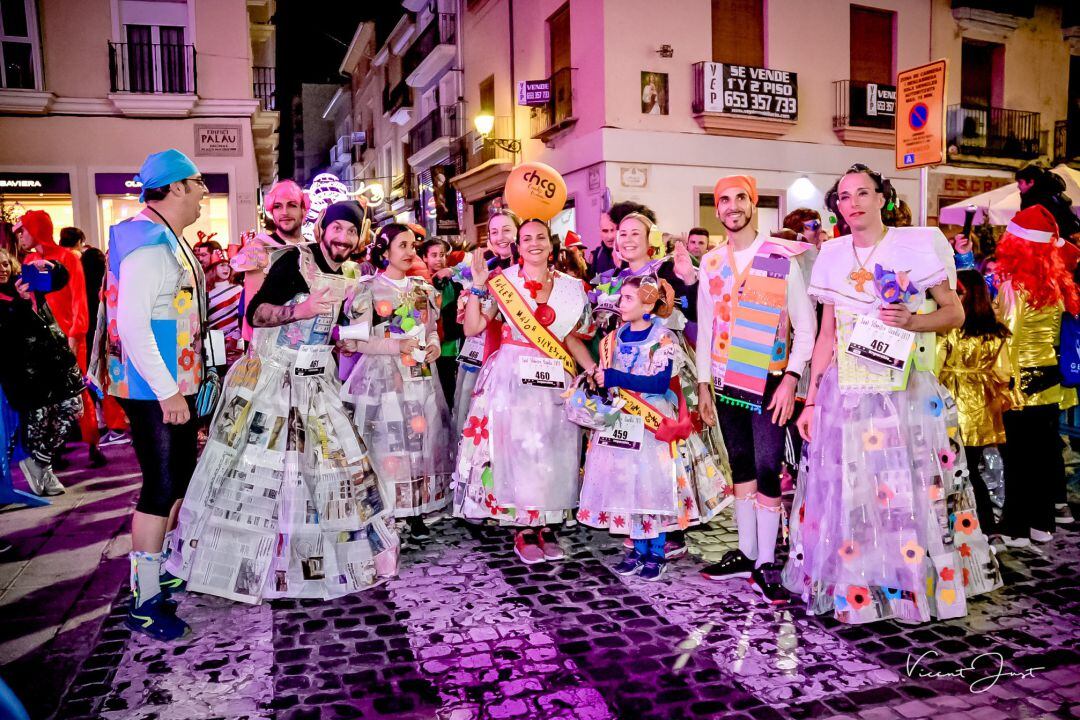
point(743, 182)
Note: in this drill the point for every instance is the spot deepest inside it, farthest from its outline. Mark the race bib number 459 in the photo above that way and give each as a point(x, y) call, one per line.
point(541, 372)
point(626, 434)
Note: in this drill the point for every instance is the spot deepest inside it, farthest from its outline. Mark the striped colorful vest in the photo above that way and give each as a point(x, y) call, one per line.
point(751, 332)
point(177, 330)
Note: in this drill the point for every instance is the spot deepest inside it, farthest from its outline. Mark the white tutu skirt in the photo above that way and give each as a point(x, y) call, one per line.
point(884, 522)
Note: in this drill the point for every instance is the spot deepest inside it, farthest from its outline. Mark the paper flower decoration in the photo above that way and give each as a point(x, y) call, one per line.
point(948, 457)
point(934, 406)
point(892, 593)
point(848, 551)
point(873, 440)
point(893, 287)
point(913, 552)
point(965, 523)
point(858, 597)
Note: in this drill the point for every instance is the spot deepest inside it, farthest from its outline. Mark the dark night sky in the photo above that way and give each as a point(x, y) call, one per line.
point(311, 46)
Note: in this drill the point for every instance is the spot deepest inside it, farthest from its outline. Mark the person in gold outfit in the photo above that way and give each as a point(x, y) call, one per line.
point(975, 370)
point(1036, 286)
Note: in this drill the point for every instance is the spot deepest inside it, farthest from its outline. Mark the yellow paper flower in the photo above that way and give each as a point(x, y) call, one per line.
point(182, 301)
point(947, 596)
point(183, 338)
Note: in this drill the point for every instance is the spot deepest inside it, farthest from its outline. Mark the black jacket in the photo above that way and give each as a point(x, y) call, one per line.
point(37, 368)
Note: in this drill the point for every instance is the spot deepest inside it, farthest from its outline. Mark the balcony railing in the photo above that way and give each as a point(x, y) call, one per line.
point(993, 132)
point(152, 68)
point(396, 97)
point(854, 106)
point(474, 151)
point(265, 86)
point(440, 31)
point(443, 121)
point(558, 113)
point(1061, 141)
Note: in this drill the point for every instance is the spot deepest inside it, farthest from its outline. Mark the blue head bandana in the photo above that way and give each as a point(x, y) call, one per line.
point(162, 168)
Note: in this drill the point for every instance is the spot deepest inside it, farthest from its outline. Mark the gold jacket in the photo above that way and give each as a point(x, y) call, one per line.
point(1035, 337)
point(976, 371)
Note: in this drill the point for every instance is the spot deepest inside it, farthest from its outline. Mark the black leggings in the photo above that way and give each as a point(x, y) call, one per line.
point(1033, 469)
point(984, 506)
point(167, 454)
point(755, 445)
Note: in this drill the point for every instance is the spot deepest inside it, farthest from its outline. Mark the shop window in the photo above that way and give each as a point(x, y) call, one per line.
point(20, 48)
point(738, 32)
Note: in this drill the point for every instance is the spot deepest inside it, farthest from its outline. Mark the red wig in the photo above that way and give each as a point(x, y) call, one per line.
point(1040, 269)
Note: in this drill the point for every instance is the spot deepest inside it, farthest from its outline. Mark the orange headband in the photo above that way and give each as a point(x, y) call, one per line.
point(743, 182)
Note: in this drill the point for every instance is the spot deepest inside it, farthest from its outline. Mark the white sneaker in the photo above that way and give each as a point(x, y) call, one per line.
point(34, 474)
point(1016, 542)
point(1064, 514)
point(1040, 536)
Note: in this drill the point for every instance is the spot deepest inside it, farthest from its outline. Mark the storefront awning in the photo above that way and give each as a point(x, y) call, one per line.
point(483, 179)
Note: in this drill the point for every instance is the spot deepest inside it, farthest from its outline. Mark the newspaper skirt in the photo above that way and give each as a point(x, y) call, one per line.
point(518, 461)
point(284, 501)
point(406, 425)
point(884, 522)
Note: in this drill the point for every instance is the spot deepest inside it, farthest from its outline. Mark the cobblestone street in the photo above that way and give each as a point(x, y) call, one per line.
point(467, 631)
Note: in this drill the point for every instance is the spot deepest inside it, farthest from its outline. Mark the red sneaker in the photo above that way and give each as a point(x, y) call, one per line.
point(527, 547)
point(549, 544)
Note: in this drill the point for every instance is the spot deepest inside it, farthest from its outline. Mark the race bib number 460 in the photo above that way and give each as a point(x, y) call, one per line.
point(626, 434)
point(541, 372)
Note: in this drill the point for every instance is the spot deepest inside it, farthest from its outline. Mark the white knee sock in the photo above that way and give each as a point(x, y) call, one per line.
point(768, 523)
point(145, 576)
point(746, 521)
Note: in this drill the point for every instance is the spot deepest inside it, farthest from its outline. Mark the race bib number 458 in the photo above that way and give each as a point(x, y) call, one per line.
point(541, 372)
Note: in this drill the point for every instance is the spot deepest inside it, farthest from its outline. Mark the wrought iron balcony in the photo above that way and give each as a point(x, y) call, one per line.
point(993, 132)
point(443, 121)
point(432, 52)
point(855, 107)
point(558, 113)
point(265, 86)
point(152, 68)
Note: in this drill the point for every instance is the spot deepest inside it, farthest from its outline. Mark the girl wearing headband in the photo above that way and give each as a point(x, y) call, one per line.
point(393, 391)
point(639, 482)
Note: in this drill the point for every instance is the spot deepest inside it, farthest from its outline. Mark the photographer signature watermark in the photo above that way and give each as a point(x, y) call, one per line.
point(982, 673)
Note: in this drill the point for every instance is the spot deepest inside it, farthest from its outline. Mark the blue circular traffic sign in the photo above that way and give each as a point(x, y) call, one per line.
point(918, 116)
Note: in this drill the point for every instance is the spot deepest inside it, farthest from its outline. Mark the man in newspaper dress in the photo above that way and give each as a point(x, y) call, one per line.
point(284, 501)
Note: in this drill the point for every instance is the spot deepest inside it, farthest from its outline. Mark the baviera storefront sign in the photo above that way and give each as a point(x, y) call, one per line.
point(126, 184)
point(14, 183)
point(218, 141)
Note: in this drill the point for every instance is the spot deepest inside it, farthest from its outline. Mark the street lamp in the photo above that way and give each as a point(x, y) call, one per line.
point(485, 123)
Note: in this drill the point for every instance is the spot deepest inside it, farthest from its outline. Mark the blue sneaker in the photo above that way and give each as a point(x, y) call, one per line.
point(157, 618)
point(630, 564)
point(172, 584)
point(652, 568)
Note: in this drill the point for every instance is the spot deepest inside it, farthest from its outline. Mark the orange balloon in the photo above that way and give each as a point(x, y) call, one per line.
point(535, 190)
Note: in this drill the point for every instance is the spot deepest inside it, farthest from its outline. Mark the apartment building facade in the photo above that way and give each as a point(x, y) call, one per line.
point(89, 88)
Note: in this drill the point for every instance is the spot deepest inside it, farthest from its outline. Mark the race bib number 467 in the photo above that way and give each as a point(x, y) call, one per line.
point(541, 372)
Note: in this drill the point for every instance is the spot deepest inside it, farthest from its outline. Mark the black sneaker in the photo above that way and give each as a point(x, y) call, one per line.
point(417, 528)
point(652, 568)
point(733, 565)
point(767, 581)
point(631, 564)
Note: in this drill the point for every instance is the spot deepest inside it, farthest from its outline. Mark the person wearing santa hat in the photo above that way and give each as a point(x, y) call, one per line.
point(1035, 286)
point(752, 307)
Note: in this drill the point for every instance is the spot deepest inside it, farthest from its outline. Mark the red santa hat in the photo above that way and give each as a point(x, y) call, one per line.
point(1035, 224)
point(572, 240)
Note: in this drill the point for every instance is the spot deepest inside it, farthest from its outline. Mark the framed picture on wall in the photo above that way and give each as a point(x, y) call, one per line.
point(654, 93)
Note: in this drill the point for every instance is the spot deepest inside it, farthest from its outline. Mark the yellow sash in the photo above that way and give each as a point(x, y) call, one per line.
point(635, 404)
point(515, 308)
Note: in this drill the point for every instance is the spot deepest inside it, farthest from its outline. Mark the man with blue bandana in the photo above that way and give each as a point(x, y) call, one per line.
point(155, 305)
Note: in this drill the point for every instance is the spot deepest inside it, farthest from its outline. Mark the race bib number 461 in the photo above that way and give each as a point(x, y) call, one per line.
point(541, 372)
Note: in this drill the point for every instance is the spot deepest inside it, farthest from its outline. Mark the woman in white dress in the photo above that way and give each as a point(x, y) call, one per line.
point(519, 457)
